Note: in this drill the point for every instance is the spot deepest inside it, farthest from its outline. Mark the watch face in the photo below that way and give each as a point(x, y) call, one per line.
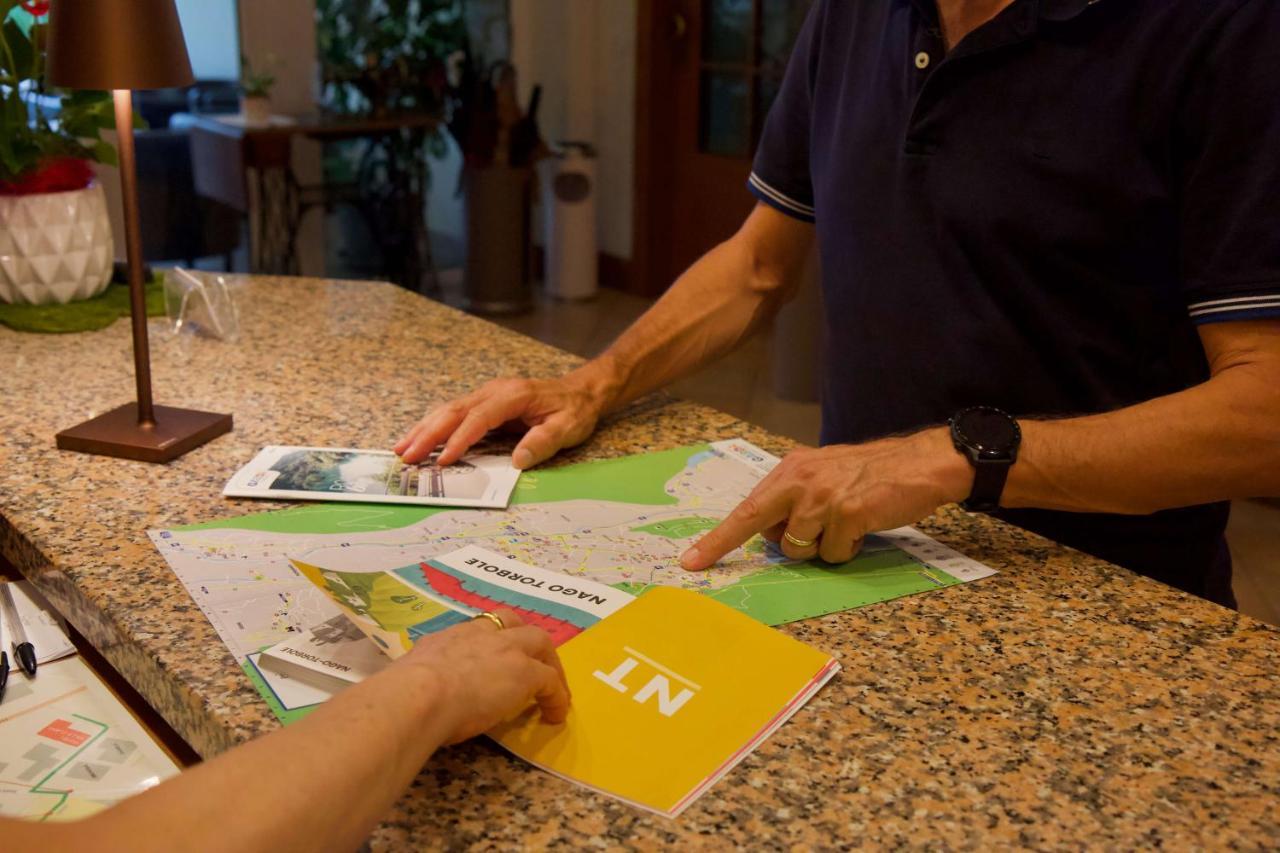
point(988, 430)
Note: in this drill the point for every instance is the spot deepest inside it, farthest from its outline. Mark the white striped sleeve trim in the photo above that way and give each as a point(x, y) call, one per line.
point(781, 199)
point(1241, 303)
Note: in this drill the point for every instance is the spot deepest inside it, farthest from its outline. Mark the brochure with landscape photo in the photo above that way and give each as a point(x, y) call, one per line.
point(373, 476)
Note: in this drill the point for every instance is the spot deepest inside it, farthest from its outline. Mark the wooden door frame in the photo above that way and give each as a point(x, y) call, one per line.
point(665, 64)
point(653, 112)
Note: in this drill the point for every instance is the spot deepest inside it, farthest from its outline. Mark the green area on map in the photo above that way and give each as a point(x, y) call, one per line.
point(679, 528)
point(628, 479)
point(813, 588)
point(325, 518)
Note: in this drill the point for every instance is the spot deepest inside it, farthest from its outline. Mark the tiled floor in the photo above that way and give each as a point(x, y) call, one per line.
point(741, 385)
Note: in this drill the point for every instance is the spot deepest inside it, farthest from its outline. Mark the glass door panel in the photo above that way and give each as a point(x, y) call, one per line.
point(780, 23)
point(728, 31)
point(744, 52)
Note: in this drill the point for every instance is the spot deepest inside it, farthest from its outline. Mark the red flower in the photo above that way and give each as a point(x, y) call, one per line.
point(59, 175)
point(39, 8)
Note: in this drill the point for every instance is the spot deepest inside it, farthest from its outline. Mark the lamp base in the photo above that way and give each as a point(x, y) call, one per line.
point(118, 433)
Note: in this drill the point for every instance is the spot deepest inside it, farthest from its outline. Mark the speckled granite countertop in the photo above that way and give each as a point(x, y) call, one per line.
point(1063, 703)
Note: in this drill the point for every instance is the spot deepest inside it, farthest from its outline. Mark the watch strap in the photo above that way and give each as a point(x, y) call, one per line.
point(989, 476)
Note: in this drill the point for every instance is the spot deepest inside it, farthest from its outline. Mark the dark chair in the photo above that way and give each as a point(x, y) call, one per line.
point(209, 97)
point(157, 107)
point(177, 223)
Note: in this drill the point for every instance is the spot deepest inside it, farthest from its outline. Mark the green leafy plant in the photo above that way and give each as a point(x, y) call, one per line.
point(31, 139)
point(388, 56)
point(257, 84)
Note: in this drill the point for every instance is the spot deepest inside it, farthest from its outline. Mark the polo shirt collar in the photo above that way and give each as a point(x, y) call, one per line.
point(1064, 10)
point(1049, 10)
point(1013, 24)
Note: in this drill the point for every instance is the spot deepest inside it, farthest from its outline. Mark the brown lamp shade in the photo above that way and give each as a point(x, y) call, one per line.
point(117, 44)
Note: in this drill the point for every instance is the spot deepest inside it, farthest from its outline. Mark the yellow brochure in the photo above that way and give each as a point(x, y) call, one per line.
point(669, 694)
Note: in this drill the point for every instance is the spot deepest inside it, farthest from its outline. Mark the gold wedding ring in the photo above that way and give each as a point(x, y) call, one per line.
point(492, 617)
point(799, 543)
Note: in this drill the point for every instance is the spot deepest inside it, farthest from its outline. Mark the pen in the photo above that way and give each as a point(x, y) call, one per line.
point(4, 667)
point(23, 651)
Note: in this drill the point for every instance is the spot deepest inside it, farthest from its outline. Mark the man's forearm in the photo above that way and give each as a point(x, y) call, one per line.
point(1217, 441)
point(728, 295)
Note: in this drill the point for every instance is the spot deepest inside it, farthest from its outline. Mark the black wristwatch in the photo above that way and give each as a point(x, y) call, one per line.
point(989, 439)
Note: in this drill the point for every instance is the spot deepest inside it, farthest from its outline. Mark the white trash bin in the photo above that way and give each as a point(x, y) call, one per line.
point(568, 188)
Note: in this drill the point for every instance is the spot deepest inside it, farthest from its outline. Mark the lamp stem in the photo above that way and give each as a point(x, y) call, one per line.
point(133, 254)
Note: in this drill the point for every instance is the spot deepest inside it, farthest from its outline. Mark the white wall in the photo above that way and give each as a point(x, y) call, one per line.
point(615, 92)
point(210, 28)
point(286, 31)
point(583, 52)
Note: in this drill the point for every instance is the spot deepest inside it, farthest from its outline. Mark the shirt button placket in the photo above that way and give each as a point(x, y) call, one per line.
point(929, 45)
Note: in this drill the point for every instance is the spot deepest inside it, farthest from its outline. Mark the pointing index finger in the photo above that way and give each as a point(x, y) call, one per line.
point(763, 508)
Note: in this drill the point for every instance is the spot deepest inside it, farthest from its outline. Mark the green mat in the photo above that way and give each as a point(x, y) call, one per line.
point(88, 315)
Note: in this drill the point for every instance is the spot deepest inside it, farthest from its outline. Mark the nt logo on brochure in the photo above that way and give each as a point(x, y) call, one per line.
point(657, 688)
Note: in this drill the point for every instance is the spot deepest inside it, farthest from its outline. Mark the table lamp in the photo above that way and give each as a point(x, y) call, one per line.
point(124, 45)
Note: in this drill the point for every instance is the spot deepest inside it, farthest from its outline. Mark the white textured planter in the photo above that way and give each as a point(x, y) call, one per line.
point(55, 247)
point(256, 110)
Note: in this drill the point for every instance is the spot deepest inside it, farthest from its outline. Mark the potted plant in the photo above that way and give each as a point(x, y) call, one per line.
point(55, 233)
point(255, 91)
point(388, 57)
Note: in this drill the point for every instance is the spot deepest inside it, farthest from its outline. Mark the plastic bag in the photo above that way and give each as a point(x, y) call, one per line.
point(198, 305)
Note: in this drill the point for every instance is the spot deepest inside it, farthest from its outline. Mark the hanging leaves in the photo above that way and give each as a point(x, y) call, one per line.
point(39, 130)
point(387, 56)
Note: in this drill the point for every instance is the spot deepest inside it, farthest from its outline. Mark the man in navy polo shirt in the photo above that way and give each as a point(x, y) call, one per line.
point(1050, 241)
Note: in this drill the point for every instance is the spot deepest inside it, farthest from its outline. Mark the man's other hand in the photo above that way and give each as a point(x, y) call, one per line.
point(556, 413)
point(835, 496)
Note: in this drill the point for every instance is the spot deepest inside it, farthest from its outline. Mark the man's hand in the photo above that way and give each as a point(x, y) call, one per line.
point(732, 292)
point(557, 413)
point(486, 675)
point(835, 496)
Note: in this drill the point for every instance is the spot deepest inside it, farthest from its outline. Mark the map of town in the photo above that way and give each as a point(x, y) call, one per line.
point(68, 748)
point(622, 522)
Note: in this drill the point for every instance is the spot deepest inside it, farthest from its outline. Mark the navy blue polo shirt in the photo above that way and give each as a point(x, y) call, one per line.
point(1035, 220)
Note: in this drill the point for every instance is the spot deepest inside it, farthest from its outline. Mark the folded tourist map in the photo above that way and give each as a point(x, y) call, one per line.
point(622, 523)
point(373, 476)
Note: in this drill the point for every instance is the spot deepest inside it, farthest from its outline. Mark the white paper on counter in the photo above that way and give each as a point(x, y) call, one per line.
point(45, 628)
